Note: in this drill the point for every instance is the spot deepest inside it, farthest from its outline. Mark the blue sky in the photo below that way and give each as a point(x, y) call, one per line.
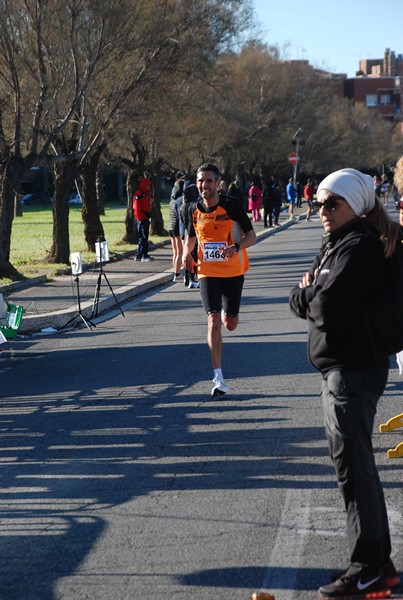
point(332, 34)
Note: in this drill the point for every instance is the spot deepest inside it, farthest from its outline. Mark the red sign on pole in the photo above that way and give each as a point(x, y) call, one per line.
point(293, 158)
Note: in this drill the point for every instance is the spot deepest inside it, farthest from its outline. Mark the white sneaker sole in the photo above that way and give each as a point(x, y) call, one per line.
point(219, 390)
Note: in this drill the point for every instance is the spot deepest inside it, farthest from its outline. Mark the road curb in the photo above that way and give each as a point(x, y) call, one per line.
point(57, 319)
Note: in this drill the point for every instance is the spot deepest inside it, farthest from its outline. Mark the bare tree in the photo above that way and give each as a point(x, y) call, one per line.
point(201, 31)
point(80, 62)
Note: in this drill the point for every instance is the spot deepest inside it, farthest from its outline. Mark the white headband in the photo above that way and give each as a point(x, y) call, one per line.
point(352, 185)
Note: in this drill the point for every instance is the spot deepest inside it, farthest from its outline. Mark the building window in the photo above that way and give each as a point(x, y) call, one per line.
point(372, 100)
point(385, 99)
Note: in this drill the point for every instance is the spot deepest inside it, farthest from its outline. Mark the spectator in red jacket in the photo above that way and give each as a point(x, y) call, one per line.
point(142, 214)
point(309, 192)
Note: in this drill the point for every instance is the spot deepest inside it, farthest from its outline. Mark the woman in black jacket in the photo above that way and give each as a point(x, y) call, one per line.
point(344, 286)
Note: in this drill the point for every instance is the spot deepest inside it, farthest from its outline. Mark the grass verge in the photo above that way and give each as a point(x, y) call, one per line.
point(31, 238)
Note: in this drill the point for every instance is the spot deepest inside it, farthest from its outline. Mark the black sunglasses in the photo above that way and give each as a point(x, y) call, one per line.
point(330, 203)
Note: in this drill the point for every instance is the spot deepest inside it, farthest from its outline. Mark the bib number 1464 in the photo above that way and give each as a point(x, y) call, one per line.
point(212, 251)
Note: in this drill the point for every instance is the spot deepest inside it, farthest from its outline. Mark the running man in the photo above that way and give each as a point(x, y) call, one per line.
point(223, 231)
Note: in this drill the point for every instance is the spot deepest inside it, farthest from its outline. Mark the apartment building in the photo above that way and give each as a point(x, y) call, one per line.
point(378, 84)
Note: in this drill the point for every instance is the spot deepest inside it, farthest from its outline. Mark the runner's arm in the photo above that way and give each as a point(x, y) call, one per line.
point(187, 258)
point(248, 239)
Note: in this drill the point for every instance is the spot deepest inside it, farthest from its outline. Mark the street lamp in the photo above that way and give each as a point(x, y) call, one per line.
point(295, 142)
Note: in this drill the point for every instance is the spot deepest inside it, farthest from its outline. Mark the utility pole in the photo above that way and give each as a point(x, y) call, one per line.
point(295, 142)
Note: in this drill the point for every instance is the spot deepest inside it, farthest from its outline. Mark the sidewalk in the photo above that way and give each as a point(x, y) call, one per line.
point(51, 304)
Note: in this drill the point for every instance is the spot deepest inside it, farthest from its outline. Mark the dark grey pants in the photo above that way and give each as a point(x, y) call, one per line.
point(350, 399)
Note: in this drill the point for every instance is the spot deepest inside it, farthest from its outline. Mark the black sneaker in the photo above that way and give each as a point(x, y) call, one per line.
point(390, 574)
point(363, 588)
point(137, 258)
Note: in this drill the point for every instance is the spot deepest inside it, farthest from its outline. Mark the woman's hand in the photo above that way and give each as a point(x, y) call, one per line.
point(306, 280)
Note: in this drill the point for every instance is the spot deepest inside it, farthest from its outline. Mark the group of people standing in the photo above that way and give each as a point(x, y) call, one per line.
point(184, 194)
point(264, 201)
point(270, 197)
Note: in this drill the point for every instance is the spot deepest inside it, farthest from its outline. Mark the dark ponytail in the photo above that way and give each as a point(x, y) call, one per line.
point(380, 225)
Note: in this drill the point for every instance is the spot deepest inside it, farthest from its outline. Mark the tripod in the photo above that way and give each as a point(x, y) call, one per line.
point(97, 293)
point(87, 322)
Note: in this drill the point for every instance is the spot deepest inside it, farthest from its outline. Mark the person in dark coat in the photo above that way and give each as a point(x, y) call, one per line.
point(189, 198)
point(337, 296)
point(269, 202)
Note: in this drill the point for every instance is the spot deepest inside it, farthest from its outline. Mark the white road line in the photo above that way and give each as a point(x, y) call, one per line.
point(294, 527)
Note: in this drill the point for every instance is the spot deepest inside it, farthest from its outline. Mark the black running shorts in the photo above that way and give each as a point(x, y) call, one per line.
point(219, 293)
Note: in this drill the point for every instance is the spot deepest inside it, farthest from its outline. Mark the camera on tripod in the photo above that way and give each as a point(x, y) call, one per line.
point(102, 250)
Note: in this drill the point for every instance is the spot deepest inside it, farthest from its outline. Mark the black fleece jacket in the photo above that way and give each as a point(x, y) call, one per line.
point(349, 282)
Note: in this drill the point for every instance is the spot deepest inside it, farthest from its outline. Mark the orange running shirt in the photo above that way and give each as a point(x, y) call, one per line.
point(216, 228)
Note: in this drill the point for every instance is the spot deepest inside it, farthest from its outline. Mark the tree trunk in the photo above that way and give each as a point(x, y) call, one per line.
point(63, 182)
point(157, 221)
point(131, 236)
point(93, 228)
point(10, 172)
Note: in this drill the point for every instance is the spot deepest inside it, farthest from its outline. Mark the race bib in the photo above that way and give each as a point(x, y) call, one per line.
point(212, 251)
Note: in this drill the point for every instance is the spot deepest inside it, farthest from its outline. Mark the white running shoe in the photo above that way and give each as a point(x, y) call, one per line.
point(219, 388)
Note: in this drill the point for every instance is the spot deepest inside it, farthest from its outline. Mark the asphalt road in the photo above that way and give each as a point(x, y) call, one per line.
point(122, 479)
